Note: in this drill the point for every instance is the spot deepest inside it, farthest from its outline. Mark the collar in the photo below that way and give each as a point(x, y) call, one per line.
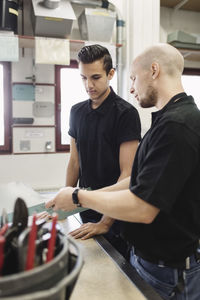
point(103, 108)
point(171, 102)
point(175, 99)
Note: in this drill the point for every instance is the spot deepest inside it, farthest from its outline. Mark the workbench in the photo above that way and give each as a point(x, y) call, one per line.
point(106, 275)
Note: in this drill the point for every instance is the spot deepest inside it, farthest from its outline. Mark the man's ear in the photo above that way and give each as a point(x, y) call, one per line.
point(111, 74)
point(155, 70)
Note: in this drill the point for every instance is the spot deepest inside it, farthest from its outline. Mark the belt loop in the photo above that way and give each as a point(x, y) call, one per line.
point(179, 288)
point(187, 263)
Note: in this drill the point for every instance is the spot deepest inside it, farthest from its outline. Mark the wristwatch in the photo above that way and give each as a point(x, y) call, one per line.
point(75, 197)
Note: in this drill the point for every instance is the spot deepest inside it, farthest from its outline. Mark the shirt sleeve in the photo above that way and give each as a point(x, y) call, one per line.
point(72, 128)
point(170, 157)
point(129, 127)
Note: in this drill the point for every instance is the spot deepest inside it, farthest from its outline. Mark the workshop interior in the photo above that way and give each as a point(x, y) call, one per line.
point(39, 83)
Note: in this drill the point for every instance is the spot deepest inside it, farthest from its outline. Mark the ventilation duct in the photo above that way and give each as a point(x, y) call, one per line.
point(96, 24)
point(53, 21)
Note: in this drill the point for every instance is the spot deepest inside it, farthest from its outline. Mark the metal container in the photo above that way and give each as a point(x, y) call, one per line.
point(52, 22)
point(52, 281)
point(181, 36)
point(96, 24)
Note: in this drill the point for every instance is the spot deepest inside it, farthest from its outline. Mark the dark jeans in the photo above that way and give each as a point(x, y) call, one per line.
point(112, 236)
point(165, 279)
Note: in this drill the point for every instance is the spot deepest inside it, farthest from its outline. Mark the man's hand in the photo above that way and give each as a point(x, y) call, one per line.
point(89, 230)
point(63, 200)
point(43, 215)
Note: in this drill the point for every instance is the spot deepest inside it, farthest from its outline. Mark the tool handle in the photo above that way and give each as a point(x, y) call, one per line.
point(4, 229)
point(31, 245)
point(52, 240)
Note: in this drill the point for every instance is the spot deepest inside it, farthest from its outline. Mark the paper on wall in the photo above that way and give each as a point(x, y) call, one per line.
point(9, 48)
point(52, 51)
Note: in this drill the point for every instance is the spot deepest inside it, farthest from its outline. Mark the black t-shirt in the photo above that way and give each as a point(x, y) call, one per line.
point(98, 134)
point(166, 174)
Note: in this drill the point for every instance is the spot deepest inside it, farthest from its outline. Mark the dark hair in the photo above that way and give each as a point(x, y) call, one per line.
point(89, 54)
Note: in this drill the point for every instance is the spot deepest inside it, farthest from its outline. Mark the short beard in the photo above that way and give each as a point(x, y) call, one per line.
point(151, 99)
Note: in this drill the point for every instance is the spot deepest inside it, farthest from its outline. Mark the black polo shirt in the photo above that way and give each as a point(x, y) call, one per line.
point(98, 134)
point(166, 174)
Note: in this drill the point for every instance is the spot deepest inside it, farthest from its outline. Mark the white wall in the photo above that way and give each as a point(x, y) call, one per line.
point(40, 171)
point(142, 26)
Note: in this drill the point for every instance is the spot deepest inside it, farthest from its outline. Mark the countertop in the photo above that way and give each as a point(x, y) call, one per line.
point(106, 274)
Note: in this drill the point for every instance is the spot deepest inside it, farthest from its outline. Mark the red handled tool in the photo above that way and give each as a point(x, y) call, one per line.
point(4, 229)
point(52, 240)
point(31, 245)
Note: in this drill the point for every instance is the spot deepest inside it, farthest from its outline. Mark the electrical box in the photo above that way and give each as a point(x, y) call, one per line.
point(33, 139)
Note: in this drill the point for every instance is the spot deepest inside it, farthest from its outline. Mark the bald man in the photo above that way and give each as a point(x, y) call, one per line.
point(161, 200)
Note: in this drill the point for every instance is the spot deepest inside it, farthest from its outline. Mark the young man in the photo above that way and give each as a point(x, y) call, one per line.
point(105, 131)
point(162, 202)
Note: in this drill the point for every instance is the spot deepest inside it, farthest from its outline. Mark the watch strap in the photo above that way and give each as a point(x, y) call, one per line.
point(75, 197)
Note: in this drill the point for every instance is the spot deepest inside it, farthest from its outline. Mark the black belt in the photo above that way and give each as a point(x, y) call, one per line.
point(182, 264)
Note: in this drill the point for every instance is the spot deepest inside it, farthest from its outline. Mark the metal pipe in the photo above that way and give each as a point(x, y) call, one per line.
point(179, 5)
point(3, 14)
point(120, 26)
point(92, 3)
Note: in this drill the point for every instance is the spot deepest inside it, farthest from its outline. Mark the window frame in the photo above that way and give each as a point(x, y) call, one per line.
point(191, 71)
point(59, 146)
point(6, 148)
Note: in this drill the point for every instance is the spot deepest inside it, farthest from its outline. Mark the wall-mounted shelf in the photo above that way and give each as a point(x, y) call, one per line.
point(29, 42)
point(192, 55)
point(189, 51)
point(191, 5)
point(75, 45)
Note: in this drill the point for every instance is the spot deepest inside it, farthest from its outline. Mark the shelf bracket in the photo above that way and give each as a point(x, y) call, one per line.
point(180, 4)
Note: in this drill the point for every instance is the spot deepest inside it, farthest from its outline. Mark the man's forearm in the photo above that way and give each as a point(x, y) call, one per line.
point(120, 185)
point(72, 175)
point(122, 205)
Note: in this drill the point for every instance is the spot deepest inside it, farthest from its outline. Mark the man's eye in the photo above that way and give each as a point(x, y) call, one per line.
point(96, 77)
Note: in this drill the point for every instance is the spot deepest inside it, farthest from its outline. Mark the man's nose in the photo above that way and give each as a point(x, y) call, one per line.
point(89, 83)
